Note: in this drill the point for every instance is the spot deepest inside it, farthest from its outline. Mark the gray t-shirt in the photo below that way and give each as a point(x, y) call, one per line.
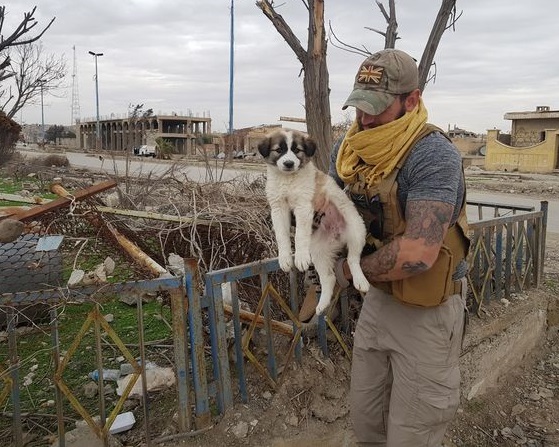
point(432, 171)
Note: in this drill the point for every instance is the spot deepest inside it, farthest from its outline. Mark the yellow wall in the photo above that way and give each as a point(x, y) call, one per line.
point(540, 157)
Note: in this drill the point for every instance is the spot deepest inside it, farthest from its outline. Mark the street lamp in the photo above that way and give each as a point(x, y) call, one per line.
point(97, 129)
point(42, 83)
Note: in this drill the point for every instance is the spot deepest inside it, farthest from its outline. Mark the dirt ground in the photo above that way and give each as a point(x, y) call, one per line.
point(311, 408)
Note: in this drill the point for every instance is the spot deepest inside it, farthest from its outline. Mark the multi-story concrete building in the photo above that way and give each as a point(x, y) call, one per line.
point(532, 146)
point(185, 133)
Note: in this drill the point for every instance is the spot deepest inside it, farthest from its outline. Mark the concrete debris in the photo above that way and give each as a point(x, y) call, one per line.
point(157, 378)
point(96, 276)
point(240, 430)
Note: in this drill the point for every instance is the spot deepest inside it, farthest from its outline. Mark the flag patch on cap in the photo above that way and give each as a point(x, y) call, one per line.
point(370, 74)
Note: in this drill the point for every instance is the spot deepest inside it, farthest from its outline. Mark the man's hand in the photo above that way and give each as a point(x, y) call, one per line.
point(343, 275)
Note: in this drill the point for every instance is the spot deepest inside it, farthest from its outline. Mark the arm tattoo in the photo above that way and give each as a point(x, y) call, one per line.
point(414, 267)
point(384, 261)
point(427, 220)
point(426, 224)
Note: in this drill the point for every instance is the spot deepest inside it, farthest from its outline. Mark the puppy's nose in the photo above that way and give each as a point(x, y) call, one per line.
point(289, 163)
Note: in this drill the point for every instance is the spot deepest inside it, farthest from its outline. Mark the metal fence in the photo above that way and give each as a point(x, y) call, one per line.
point(36, 317)
point(211, 331)
point(507, 250)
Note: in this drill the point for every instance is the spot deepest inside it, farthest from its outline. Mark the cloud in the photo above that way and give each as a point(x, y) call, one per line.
point(175, 55)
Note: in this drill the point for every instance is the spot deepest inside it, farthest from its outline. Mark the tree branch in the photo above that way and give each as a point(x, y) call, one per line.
point(283, 28)
point(25, 26)
point(337, 43)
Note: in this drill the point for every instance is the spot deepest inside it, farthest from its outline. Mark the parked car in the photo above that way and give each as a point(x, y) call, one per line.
point(145, 151)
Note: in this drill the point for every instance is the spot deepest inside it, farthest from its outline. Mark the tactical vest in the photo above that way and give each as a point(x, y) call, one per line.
point(435, 285)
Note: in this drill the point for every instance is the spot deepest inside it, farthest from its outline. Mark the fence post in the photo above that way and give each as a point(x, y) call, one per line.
point(14, 367)
point(544, 208)
point(220, 355)
point(179, 308)
point(196, 331)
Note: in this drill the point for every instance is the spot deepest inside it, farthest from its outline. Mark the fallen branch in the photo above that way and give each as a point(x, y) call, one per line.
point(62, 202)
point(249, 317)
point(130, 247)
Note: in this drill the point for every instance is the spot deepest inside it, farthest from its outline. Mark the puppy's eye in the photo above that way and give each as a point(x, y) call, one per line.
point(297, 149)
point(276, 148)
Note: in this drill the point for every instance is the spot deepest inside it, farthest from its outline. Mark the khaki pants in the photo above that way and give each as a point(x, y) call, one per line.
point(405, 380)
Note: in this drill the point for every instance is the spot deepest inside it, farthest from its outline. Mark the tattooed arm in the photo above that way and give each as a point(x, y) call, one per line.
point(417, 249)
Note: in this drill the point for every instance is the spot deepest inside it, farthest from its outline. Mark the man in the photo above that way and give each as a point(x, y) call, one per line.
point(406, 179)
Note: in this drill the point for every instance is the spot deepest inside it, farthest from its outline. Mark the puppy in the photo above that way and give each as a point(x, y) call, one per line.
point(295, 185)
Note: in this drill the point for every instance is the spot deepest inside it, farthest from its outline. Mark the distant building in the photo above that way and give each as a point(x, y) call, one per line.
point(532, 146)
point(456, 132)
point(185, 133)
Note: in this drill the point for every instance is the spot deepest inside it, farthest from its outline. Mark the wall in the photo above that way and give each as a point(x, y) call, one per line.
point(538, 158)
point(528, 132)
point(469, 145)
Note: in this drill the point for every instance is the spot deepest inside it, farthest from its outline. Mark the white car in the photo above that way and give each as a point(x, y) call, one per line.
point(145, 151)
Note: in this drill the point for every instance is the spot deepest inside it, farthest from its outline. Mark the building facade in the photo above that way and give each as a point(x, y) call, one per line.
point(185, 133)
point(532, 146)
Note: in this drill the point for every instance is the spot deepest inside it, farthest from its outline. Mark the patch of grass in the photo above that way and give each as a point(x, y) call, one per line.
point(34, 348)
point(14, 186)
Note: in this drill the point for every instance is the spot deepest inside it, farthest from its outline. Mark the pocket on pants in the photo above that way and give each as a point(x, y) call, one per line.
point(438, 393)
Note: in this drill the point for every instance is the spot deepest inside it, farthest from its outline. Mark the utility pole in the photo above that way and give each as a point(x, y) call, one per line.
point(231, 66)
point(97, 129)
point(42, 82)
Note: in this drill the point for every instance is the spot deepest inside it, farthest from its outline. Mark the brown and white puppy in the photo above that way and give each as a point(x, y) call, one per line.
point(295, 185)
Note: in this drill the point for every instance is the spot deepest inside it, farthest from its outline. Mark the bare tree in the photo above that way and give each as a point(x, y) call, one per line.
point(33, 74)
point(446, 18)
point(17, 37)
point(315, 72)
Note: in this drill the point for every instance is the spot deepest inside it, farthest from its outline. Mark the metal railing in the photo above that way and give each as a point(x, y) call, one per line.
point(507, 251)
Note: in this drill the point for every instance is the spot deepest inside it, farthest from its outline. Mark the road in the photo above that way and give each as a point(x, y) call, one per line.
point(516, 199)
point(140, 166)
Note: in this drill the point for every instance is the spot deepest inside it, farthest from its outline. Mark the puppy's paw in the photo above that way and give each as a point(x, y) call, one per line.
point(286, 262)
point(360, 282)
point(302, 261)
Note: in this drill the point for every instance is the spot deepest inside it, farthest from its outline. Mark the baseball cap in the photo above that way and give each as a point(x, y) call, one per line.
point(380, 78)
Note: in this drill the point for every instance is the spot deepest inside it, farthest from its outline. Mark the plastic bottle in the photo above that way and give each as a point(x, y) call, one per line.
point(108, 374)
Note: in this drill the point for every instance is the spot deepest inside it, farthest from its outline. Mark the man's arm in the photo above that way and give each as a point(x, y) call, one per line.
point(417, 249)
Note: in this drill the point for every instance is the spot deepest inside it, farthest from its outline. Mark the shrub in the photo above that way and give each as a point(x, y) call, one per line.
point(56, 160)
point(9, 134)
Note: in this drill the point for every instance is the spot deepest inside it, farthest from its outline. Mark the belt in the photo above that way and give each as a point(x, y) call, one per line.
point(458, 286)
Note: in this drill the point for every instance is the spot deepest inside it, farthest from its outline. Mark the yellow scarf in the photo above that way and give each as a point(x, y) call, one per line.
point(370, 155)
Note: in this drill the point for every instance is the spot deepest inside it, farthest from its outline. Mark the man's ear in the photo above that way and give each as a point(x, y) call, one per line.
point(412, 100)
point(264, 147)
point(310, 146)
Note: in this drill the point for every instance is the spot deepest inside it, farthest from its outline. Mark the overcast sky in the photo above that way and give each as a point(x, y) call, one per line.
point(173, 56)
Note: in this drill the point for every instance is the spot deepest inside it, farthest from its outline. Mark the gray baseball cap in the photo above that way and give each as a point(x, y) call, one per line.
point(380, 78)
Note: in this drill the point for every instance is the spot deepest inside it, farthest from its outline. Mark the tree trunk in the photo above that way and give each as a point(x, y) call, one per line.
point(439, 27)
point(315, 74)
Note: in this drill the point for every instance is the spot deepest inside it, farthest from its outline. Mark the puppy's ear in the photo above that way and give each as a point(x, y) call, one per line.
point(310, 146)
point(264, 147)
